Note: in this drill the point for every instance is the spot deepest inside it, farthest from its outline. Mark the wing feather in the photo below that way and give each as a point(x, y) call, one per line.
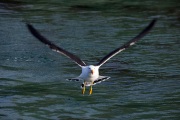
point(54, 47)
point(128, 44)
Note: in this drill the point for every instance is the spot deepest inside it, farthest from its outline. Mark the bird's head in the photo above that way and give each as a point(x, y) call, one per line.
point(89, 71)
point(93, 70)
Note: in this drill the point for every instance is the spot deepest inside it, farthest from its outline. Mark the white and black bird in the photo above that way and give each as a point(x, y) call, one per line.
point(90, 73)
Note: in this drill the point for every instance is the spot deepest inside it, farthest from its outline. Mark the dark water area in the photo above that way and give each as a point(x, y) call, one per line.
point(145, 79)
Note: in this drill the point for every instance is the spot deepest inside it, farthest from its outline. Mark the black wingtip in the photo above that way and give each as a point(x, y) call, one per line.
point(154, 21)
point(36, 34)
point(151, 24)
point(30, 27)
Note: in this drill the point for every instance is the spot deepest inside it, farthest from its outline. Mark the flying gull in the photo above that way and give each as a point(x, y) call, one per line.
point(90, 73)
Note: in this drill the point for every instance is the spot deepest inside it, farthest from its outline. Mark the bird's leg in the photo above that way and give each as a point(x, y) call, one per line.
point(90, 91)
point(83, 90)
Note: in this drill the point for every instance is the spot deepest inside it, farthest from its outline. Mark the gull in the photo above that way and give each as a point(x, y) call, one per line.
point(90, 73)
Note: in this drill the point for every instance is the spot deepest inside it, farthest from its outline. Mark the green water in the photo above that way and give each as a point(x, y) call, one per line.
point(145, 79)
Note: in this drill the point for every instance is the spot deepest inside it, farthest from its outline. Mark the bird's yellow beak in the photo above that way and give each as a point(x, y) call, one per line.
point(92, 71)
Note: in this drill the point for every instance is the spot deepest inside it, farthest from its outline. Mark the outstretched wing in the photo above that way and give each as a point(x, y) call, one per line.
point(55, 47)
point(128, 44)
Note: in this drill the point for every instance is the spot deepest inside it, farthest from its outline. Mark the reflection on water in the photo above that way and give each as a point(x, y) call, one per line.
point(144, 80)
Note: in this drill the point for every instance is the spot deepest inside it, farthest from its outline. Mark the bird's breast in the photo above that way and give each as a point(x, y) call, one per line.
point(89, 77)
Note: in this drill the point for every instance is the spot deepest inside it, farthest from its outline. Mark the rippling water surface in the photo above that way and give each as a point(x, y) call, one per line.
point(145, 79)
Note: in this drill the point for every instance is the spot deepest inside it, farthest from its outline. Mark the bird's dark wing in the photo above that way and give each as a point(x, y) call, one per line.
point(128, 44)
point(55, 47)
